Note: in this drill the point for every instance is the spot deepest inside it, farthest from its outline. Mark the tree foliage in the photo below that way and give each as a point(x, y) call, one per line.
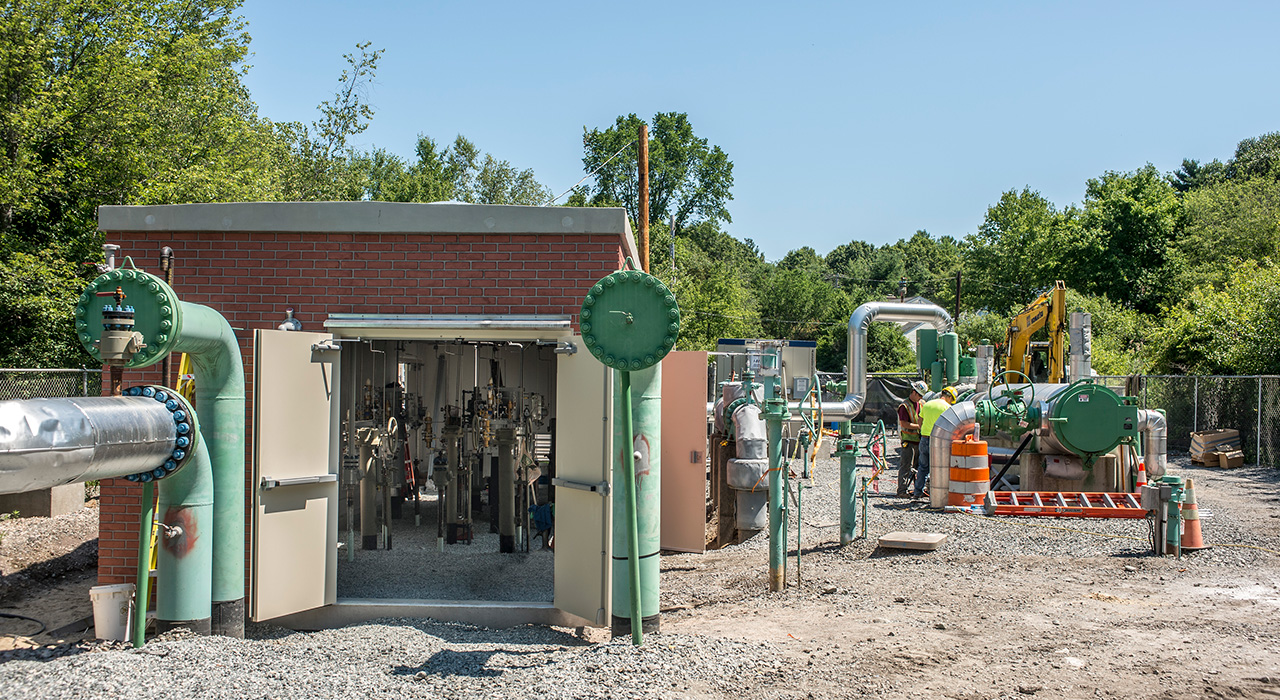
point(688, 178)
point(1231, 330)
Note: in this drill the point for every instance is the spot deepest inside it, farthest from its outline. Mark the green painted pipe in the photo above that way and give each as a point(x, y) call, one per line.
point(848, 496)
point(219, 375)
point(643, 434)
point(143, 586)
point(775, 413)
point(630, 515)
point(186, 543)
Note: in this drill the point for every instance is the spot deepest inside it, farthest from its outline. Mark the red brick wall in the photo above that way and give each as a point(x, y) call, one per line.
point(252, 277)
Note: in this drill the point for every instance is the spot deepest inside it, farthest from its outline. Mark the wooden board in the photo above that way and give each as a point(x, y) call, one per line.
point(926, 541)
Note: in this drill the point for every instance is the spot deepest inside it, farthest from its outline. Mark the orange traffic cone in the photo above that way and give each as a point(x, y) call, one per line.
point(1192, 539)
point(1142, 477)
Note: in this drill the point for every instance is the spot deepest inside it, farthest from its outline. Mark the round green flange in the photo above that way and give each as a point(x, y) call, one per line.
point(1090, 419)
point(630, 320)
point(157, 313)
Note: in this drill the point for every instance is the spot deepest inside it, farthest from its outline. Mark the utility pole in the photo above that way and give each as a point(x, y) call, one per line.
point(644, 197)
point(957, 317)
point(673, 243)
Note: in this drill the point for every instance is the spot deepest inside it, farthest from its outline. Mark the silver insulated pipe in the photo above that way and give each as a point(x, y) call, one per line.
point(1155, 442)
point(953, 424)
point(856, 360)
point(50, 442)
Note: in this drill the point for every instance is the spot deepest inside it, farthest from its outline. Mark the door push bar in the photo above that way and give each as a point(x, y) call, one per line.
point(601, 488)
point(269, 483)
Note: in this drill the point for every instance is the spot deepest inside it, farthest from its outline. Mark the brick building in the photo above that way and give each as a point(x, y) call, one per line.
point(429, 268)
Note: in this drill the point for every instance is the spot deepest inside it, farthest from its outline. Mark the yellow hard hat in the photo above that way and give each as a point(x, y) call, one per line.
point(951, 391)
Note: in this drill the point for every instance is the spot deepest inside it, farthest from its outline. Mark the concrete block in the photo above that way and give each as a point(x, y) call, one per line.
point(45, 503)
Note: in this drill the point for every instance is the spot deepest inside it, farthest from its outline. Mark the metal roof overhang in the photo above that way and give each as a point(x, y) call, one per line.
point(449, 327)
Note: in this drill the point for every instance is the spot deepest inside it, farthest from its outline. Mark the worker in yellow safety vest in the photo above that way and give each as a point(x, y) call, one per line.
point(929, 414)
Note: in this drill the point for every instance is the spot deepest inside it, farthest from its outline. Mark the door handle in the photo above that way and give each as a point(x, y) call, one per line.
point(269, 483)
point(601, 488)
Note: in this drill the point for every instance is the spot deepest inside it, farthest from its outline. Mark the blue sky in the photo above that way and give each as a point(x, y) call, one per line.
point(845, 121)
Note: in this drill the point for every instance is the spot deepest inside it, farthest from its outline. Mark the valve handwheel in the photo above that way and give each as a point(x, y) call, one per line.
point(1004, 382)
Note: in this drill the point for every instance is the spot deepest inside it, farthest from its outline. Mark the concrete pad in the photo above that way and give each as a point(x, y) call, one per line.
point(927, 541)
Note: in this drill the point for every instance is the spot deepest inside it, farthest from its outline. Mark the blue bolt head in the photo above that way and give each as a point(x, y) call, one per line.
point(179, 454)
point(132, 477)
point(183, 441)
point(158, 473)
point(148, 391)
point(171, 404)
point(179, 416)
point(184, 428)
point(162, 396)
point(144, 477)
point(170, 465)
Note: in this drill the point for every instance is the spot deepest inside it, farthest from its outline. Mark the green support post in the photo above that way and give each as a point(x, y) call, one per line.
point(847, 448)
point(775, 413)
point(630, 321)
point(185, 549)
point(143, 587)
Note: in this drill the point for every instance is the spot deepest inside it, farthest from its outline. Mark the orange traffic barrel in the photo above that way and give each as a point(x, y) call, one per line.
point(970, 472)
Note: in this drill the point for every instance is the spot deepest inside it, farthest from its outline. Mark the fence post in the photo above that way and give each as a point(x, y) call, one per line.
point(1195, 407)
point(84, 381)
point(1257, 449)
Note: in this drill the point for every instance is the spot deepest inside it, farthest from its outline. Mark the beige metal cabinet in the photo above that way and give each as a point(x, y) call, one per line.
point(684, 451)
point(584, 438)
point(295, 467)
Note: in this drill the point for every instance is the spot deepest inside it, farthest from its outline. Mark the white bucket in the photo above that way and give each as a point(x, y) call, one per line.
point(112, 604)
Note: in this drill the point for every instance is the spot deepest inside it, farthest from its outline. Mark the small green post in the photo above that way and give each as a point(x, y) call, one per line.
point(847, 448)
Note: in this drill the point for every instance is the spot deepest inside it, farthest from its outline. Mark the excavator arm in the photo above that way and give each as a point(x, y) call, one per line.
point(1048, 309)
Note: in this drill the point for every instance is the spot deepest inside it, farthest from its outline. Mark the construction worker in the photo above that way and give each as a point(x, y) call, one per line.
point(929, 414)
point(909, 431)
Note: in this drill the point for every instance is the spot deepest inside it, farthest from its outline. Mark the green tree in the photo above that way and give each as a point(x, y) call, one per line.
point(1012, 256)
point(459, 172)
point(1227, 331)
point(714, 301)
point(38, 294)
point(1127, 224)
point(1224, 225)
point(1257, 157)
point(688, 177)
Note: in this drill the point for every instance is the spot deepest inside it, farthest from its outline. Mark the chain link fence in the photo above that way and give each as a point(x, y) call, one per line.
point(49, 383)
point(1249, 404)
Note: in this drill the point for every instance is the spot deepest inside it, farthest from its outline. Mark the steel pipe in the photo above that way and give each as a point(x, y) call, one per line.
point(951, 425)
point(50, 442)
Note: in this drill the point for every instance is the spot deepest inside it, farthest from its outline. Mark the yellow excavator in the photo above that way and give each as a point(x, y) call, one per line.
point(1048, 309)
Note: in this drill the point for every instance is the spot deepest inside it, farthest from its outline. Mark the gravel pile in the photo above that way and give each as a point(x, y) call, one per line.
point(394, 658)
point(414, 568)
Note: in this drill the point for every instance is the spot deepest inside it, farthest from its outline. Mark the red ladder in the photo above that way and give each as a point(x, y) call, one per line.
point(1064, 505)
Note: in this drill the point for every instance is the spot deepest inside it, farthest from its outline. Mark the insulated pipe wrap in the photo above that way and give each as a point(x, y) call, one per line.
point(1155, 442)
point(859, 325)
point(954, 424)
point(50, 442)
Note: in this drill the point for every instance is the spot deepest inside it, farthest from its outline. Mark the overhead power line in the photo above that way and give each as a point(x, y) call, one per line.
point(593, 172)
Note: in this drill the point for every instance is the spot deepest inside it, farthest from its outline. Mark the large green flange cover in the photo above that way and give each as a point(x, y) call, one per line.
point(1096, 419)
point(157, 313)
point(630, 320)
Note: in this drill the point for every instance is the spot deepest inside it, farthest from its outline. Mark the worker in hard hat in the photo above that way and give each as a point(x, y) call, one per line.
point(909, 432)
point(929, 414)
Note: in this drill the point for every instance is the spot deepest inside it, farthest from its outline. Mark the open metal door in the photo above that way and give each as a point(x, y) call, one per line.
point(684, 451)
point(584, 402)
point(295, 483)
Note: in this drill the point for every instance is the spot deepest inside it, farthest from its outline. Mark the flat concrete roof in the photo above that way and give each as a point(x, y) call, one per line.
point(365, 217)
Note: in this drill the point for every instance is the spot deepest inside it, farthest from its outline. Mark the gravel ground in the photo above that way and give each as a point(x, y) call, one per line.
point(34, 550)
point(394, 659)
point(1007, 608)
point(414, 567)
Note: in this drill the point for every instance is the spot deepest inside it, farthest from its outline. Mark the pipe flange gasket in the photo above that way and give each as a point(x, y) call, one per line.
point(184, 417)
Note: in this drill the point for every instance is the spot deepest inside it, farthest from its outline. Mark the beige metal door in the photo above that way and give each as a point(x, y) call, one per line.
point(295, 521)
point(584, 401)
point(684, 451)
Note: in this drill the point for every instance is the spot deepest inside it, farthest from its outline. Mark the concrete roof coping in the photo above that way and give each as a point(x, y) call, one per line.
point(363, 217)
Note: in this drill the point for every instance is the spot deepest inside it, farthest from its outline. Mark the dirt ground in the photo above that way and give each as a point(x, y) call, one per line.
point(870, 622)
point(887, 623)
point(47, 566)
